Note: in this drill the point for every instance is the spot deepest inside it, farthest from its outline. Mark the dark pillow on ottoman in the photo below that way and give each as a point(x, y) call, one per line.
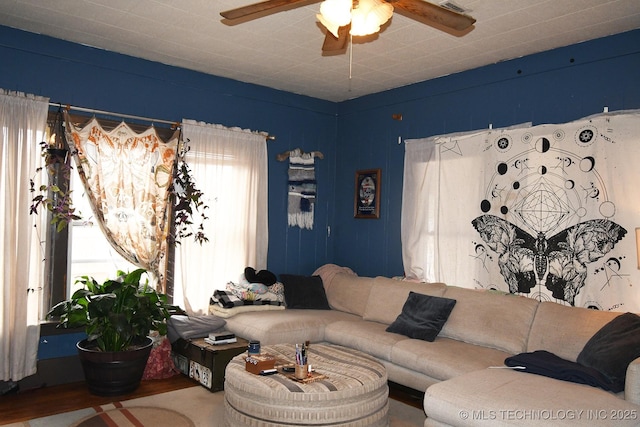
point(613, 347)
point(422, 316)
point(304, 292)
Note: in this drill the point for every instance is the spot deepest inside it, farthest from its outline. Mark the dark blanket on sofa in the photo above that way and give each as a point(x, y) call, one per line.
point(548, 364)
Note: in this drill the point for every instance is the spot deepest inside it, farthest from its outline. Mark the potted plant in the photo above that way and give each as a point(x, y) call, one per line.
point(118, 316)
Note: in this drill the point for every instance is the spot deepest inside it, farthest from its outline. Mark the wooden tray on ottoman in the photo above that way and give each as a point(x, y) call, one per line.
point(313, 376)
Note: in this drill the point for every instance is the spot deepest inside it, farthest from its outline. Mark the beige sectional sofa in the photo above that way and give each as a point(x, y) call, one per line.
point(462, 372)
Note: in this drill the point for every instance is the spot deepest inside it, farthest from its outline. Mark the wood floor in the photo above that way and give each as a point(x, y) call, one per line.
point(30, 404)
point(26, 405)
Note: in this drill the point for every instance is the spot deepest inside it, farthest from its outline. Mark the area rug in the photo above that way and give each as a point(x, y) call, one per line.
point(192, 406)
point(137, 416)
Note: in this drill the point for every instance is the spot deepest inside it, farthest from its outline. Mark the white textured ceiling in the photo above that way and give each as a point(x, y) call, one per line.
point(283, 50)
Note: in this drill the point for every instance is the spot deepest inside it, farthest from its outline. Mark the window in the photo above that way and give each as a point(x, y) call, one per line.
point(81, 249)
point(90, 252)
point(230, 167)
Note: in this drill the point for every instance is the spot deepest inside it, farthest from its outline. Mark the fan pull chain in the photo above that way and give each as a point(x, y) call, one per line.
point(350, 59)
point(350, 55)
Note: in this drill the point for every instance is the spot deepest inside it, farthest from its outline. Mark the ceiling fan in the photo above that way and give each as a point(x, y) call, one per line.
point(340, 29)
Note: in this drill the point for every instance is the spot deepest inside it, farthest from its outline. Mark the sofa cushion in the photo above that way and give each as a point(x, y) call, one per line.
point(422, 316)
point(349, 293)
point(388, 296)
point(632, 384)
point(369, 337)
point(565, 330)
point(304, 292)
point(503, 397)
point(328, 272)
point(490, 319)
point(613, 348)
point(444, 358)
point(285, 326)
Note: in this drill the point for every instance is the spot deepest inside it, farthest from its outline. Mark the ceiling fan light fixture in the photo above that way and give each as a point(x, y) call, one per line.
point(344, 18)
point(335, 14)
point(330, 26)
point(369, 16)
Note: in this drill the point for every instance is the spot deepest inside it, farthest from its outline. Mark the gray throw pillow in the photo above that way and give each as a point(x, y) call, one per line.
point(422, 316)
point(613, 347)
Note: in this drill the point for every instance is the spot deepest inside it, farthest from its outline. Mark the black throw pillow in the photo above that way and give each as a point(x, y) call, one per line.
point(305, 292)
point(263, 276)
point(422, 316)
point(613, 347)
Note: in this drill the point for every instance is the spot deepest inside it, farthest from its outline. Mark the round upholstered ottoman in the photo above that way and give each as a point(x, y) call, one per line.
point(351, 391)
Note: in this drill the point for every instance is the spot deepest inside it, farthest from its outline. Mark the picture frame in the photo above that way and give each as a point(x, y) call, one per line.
point(366, 202)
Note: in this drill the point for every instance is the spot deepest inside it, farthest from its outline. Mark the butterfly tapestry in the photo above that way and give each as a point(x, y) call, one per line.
point(558, 262)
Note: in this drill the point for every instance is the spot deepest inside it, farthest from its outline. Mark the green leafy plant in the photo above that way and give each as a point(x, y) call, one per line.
point(187, 202)
point(117, 313)
point(54, 196)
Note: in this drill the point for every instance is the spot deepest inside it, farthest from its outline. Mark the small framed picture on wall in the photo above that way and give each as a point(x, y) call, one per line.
point(367, 194)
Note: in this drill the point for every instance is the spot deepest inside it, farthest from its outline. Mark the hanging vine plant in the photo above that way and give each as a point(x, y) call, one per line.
point(55, 196)
point(188, 202)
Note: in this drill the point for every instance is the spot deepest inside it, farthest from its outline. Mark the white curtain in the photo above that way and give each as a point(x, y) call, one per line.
point(546, 211)
point(230, 168)
point(23, 121)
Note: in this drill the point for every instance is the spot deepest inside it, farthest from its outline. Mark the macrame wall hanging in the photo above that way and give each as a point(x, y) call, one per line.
point(301, 187)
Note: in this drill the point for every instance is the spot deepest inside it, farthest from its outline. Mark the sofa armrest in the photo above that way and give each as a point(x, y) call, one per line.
point(632, 382)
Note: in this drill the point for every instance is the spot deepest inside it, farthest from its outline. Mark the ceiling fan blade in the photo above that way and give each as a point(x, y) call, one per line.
point(262, 6)
point(333, 44)
point(434, 13)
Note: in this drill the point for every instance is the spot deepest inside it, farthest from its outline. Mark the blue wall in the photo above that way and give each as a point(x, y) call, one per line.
point(82, 76)
point(550, 87)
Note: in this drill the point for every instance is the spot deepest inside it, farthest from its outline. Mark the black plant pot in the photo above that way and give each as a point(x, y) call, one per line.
point(113, 373)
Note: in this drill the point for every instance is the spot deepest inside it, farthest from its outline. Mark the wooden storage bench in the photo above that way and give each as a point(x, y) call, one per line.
point(204, 362)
